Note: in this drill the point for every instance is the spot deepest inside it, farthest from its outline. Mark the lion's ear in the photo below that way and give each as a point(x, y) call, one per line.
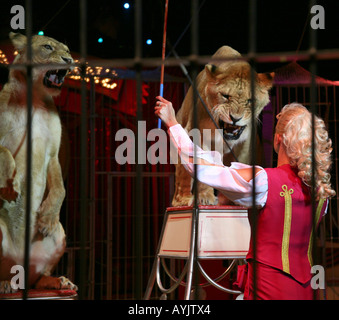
point(211, 70)
point(266, 80)
point(19, 40)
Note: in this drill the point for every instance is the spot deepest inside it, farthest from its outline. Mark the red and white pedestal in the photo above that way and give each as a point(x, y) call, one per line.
point(207, 232)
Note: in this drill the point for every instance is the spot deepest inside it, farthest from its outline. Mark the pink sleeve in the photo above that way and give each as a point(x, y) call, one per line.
point(223, 178)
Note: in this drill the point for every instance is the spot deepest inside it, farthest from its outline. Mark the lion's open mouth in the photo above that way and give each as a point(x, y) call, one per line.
point(231, 131)
point(55, 78)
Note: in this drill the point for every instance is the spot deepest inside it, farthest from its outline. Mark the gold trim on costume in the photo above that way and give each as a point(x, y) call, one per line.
point(287, 227)
point(316, 221)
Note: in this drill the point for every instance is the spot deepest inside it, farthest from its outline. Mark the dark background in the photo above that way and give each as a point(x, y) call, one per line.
point(281, 26)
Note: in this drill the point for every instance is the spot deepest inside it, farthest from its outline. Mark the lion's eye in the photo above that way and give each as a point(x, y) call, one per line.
point(47, 46)
point(226, 96)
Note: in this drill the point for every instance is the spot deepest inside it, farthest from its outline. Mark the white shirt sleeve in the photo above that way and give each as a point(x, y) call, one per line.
point(225, 179)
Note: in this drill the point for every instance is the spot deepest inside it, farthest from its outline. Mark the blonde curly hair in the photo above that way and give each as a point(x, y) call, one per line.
point(295, 126)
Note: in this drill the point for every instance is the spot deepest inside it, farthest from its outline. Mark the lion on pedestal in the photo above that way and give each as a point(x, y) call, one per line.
point(225, 87)
point(47, 236)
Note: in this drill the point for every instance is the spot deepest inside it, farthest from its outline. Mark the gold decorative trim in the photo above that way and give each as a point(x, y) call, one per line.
point(287, 227)
point(316, 221)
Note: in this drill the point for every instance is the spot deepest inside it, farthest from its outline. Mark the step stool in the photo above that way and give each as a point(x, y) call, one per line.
point(206, 232)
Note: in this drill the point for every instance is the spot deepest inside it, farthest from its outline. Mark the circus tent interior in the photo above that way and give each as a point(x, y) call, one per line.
point(113, 193)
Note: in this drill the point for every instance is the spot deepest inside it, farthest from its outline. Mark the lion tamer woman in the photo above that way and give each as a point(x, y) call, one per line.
point(284, 229)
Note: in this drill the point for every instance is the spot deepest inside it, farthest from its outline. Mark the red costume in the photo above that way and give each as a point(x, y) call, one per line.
point(284, 239)
point(284, 227)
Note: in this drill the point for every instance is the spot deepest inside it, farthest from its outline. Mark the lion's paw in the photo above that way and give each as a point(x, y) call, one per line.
point(180, 201)
point(67, 284)
point(207, 198)
point(48, 282)
point(5, 287)
point(48, 223)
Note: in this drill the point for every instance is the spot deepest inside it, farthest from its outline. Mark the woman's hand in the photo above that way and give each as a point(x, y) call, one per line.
point(164, 110)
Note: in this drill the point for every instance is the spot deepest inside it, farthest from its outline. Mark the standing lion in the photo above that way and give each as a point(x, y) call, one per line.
point(47, 237)
point(225, 87)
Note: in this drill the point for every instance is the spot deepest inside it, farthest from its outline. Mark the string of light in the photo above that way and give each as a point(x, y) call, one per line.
point(3, 58)
point(99, 74)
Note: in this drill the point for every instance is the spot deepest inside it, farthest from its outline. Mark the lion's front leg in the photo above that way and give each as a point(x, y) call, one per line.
point(183, 184)
point(48, 213)
point(206, 195)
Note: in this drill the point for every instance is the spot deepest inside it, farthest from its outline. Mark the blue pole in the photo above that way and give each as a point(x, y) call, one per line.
point(161, 95)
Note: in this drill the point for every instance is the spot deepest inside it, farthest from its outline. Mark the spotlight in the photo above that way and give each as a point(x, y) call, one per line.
point(100, 40)
point(40, 33)
point(126, 5)
point(149, 41)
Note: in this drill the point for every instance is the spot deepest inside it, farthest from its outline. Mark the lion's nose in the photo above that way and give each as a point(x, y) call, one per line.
point(235, 120)
point(67, 60)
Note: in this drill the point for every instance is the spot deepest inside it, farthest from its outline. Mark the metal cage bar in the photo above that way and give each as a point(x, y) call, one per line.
point(29, 146)
point(83, 152)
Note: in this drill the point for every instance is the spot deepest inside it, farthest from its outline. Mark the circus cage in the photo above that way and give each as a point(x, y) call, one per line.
point(112, 205)
point(113, 213)
point(112, 209)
